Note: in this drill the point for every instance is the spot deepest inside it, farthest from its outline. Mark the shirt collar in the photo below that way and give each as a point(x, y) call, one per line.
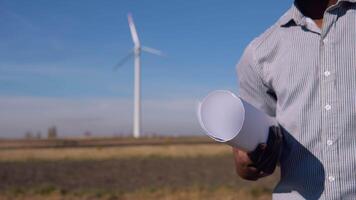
point(294, 15)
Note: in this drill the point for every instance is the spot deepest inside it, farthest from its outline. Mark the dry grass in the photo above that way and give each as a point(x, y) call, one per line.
point(101, 153)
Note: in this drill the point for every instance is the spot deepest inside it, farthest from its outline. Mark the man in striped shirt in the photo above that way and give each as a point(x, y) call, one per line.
point(302, 71)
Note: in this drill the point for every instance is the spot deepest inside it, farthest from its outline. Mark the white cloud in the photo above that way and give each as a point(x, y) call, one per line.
point(104, 116)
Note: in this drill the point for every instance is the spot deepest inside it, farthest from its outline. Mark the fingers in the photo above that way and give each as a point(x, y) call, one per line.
point(251, 173)
point(242, 158)
point(265, 157)
point(244, 166)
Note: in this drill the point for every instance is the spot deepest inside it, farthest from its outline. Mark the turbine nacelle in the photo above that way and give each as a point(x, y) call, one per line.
point(137, 45)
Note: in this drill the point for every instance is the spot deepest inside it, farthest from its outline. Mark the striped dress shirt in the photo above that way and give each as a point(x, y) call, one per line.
point(306, 78)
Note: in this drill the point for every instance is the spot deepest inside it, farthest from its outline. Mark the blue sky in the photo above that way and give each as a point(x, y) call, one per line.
point(57, 58)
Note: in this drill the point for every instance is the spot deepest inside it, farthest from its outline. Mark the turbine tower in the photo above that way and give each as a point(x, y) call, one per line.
point(136, 53)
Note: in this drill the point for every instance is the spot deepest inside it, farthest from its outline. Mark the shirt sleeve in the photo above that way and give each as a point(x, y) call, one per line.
point(251, 86)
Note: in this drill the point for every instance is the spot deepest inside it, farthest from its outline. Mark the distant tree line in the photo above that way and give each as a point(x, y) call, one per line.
point(51, 134)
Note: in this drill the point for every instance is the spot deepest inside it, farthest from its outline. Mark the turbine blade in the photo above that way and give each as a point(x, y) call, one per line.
point(123, 60)
point(152, 51)
point(133, 31)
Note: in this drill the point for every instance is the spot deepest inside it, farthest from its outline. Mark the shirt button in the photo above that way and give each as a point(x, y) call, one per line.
point(327, 73)
point(331, 178)
point(325, 40)
point(329, 142)
point(327, 107)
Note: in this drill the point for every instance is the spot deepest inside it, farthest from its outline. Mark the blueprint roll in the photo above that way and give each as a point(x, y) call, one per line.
point(228, 119)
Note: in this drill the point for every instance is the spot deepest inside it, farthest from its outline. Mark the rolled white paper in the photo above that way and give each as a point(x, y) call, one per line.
point(228, 119)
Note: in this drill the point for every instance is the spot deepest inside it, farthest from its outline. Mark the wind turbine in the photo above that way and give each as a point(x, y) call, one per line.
point(136, 53)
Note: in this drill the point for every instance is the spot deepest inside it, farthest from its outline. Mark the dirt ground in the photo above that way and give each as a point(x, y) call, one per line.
point(171, 172)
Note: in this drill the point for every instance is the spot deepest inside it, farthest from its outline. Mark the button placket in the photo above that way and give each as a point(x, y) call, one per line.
point(329, 104)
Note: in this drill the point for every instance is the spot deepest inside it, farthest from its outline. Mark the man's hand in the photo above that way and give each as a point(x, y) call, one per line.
point(263, 160)
point(245, 167)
